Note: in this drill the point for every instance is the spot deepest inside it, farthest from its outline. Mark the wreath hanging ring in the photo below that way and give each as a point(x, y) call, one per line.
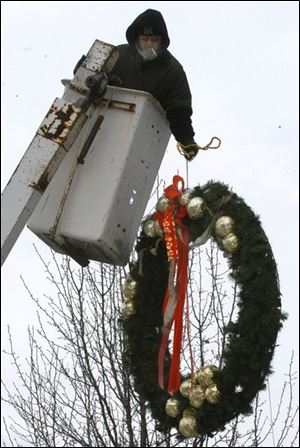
point(154, 300)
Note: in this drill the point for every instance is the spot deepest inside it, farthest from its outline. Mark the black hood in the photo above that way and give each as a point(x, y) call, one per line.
point(149, 22)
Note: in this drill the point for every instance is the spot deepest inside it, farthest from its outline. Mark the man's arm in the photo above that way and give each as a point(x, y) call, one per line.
point(178, 106)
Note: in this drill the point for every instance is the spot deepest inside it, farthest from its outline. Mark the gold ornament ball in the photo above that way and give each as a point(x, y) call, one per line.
point(129, 288)
point(128, 308)
point(158, 230)
point(185, 196)
point(197, 396)
point(212, 394)
point(185, 388)
point(230, 243)
point(149, 228)
point(205, 375)
point(195, 208)
point(163, 204)
point(224, 226)
point(172, 407)
point(188, 426)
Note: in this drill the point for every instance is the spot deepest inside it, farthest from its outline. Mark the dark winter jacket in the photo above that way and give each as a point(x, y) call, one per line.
point(163, 76)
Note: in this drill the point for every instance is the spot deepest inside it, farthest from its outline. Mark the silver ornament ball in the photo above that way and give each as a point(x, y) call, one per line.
point(224, 226)
point(185, 388)
point(230, 243)
point(172, 407)
point(158, 230)
point(185, 196)
point(212, 394)
point(163, 204)
point(195, 208)
point(128, 308)
point(149, 228)
point(205, 376)
point(197, 396)
point(129, 288)
point(188, 426)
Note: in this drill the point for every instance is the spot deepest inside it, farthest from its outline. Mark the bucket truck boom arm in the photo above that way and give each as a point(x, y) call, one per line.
point(52, 141)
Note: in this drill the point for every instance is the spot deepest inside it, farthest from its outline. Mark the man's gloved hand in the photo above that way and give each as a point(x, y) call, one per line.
point(114, 80)
point(189, 149)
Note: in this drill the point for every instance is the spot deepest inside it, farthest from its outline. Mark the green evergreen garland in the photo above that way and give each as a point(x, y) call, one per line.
point(250, 340)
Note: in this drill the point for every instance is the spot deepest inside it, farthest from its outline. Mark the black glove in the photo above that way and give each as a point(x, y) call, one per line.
point(114, 80)
point(189, 149)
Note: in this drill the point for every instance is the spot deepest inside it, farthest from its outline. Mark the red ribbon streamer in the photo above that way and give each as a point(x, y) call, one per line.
point(177, 250)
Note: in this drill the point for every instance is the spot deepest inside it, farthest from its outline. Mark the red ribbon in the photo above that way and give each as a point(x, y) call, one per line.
point(177, 250)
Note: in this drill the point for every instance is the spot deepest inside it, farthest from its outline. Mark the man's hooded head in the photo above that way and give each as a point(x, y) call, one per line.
point(149, 23)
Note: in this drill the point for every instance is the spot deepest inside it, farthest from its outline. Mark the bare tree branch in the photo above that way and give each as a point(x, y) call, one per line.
point(75, 389)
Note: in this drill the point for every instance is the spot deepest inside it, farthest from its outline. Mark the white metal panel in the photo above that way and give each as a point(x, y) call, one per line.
point(108, 193)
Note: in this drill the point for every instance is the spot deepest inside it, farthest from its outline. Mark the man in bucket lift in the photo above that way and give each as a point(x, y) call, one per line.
point(146, 64)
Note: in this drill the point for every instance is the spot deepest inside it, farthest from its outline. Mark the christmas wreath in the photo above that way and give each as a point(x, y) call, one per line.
point(205, 402)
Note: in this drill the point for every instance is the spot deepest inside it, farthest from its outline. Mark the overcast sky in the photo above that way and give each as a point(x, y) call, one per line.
point(241, 60)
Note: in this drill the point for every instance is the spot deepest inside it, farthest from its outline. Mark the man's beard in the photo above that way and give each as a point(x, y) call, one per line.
point(147, 53)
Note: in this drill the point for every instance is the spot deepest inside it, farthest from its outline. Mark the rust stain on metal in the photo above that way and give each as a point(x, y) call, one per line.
point(101, 56)
point(42, 183)
point(78, 88)
point(63, 199)
point(59, 121)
